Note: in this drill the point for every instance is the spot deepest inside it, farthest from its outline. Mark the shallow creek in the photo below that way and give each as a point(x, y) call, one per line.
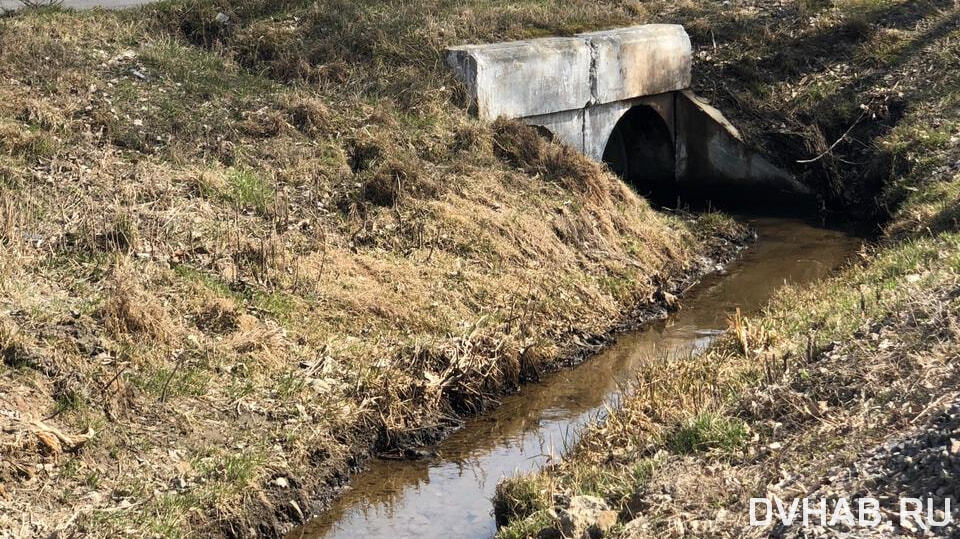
point(449, 495)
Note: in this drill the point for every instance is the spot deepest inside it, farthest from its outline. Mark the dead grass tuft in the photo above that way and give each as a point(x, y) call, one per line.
point(263, 123)
point(121, 237)
point(309, 115)
point(13, 350)
point(219, 316)
point(395, 179)
point(20, 141)
point(9, 221)
point(364, 153)
point(524, 147)
point(470, 138)
point(130, 311)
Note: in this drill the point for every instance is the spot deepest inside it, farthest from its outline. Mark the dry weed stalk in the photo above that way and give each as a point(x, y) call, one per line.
point(740, 328)
point(9, 221)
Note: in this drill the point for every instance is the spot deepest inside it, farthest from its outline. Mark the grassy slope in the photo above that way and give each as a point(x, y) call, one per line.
point(826, 373)
point(232, 256)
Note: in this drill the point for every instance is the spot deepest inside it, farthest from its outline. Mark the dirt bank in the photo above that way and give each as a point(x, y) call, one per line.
point(238, 254)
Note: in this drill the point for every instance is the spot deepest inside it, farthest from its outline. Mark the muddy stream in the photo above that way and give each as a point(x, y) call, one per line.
point(449, 495)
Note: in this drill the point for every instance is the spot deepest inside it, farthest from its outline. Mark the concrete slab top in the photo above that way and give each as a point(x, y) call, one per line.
point(540, 76)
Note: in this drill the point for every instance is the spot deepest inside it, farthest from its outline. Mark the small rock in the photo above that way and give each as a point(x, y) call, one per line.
point(636, 528)
point(221, 18)
point(281, 482)
point(586, 517)
point(606, 520)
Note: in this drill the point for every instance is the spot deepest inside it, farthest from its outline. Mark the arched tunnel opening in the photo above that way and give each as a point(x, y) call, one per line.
point(715, 170)
point(641, 150)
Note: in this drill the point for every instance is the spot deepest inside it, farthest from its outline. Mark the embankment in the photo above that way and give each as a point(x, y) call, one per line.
point(842, 389)
point(242, 251)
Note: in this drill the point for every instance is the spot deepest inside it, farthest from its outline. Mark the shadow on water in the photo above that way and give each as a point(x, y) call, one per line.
point(449, 495)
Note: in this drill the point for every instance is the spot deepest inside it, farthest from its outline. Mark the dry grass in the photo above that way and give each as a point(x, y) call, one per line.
point(232, 260)
point(129, 311)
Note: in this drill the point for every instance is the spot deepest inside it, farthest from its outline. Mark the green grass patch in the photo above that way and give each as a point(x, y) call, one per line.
point(203, 74)
point(518, 498)
point(166, 382)
point(247, 189)
point(230, 472)
point(526, 527)
point(215, 284)
point(706, 432)
point(280, 305)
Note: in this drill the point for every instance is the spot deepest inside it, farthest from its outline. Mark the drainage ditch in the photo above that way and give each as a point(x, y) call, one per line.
point(448, 494)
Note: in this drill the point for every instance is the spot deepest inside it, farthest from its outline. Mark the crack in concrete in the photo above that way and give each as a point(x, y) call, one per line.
point(594, 56)
point(594, 91)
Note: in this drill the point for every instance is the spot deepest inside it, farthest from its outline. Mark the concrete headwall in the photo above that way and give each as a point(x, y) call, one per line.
point(540, 76)
point(639, 61)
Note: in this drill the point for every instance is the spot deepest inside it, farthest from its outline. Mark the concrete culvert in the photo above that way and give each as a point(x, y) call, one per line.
point(623, 97)
point(641, 151)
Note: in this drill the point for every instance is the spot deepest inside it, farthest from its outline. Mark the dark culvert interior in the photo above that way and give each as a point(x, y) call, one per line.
point(641, 151)
point(685, 167)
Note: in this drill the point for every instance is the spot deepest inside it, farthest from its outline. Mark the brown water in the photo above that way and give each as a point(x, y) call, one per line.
point(449, 496)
